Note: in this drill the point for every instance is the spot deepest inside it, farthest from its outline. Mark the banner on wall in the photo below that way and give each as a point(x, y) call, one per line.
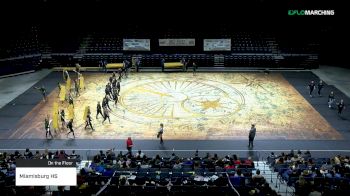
point(137, 44)
point(217, 44)
point(177, 42)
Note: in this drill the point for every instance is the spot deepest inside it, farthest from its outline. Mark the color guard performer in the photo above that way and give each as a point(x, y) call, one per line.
point(106, 115)
point(320, 86)
point(88, 119)
point(62, 116)
point(311, 88)
point(65, 75)
point(70, 127)
point(99, 110)
point(331, 99)
point(341, 106)
point(48, 122)
point(76, 87)
point(43, 92)
point(160, 133)
point(70, 100)
point(59, 89)
point(105, 102)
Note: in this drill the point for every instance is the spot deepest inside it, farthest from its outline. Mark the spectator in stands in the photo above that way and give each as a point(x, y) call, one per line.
point(139, 155)
point(46, 154)
point(236, 161)
point(73, 155)
point(102, 155)
point(28, 154)
point(230, 165)
point(301, 183)
point(326, 166)
point(307, 154)
point(196, 156)
point(177, 165)
point(129, 145)
point(257, 175)
point(315, 192)
point(62, 155)
point(37, 155)
point(251, 137)
point(249, 162)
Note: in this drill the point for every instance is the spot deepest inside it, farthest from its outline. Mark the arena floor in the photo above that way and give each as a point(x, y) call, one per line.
point(207, 106)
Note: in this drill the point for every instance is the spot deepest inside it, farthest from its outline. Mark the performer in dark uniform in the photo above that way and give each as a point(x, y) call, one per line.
point(331, 99)
point(160, 133)
point(118, 87)
point(59, 89)
point(114, 82)
point(320, 86)
point(126, 67)
point(76, 87)
point(70, 100)
point(105, 102)
point(108, 90)
point(184, 63)
point(62, 116)
point(341, 106)
point(120, 73)
point(115, 96)
point(48, 126)
point(43, 92)
point(311, 88)
point(88, 119)
point(106, 115)
point(194, 67)
point(70, 127)
point(65, 75)
point(162, 62)
point(99, 110)
point(251, 137)
point(111, 79)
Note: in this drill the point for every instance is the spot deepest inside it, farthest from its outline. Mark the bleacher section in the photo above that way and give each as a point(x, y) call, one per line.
point(249, 49)
point(104, 43)
point(109, 174)
point(306, 174)
point(247, 42)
